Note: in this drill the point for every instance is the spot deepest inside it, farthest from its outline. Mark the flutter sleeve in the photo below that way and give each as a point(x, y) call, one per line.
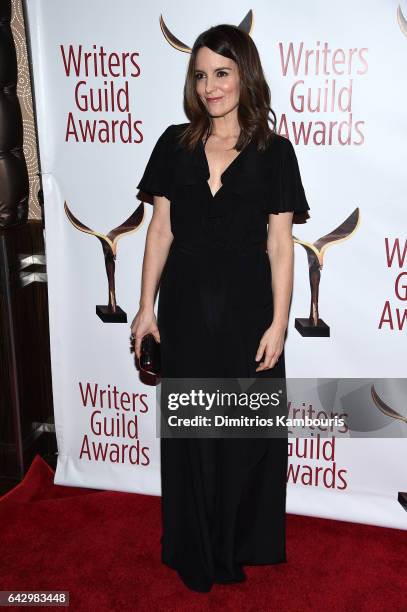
point(157, 177)
point(287, 191)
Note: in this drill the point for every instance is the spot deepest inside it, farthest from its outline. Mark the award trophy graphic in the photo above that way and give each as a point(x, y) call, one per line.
point(111, 313)
point(402, 21)
point(313, 326)
point(246, 25)
point(390, 412)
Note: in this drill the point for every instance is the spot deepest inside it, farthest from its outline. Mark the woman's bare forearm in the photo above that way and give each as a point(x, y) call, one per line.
point(281, 254)
point(156, 250)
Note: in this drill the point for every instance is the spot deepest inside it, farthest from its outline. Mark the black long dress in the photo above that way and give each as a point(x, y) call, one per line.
point(223, 499)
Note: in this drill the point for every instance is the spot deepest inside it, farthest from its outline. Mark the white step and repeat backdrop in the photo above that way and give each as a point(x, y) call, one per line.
point(107, 83)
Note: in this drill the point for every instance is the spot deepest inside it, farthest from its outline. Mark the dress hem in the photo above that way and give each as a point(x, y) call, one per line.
point(189, 581)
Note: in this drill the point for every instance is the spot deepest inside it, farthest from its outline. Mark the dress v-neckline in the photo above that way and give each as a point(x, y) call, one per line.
point(228, 167)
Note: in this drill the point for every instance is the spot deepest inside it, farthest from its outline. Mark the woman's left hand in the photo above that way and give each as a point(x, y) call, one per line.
point(271, 346)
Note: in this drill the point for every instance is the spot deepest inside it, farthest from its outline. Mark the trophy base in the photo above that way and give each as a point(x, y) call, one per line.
point(402, 498)
point(307, 329)
point(107, 316)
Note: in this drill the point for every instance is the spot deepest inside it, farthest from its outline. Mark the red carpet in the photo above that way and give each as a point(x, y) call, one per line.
point(104, 548)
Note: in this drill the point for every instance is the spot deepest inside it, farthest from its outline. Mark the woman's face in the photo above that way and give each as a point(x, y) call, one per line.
point(217, 82)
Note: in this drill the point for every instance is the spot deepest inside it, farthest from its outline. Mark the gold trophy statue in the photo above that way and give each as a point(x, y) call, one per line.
point(111, 313)
point(313, 326)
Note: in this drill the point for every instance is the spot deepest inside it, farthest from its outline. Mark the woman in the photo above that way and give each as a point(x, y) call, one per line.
point(225, 187)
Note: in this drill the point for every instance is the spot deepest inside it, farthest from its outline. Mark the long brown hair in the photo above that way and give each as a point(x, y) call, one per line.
point(254, 99)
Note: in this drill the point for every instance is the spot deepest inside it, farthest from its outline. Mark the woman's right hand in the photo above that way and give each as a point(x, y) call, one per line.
point(144, 323)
